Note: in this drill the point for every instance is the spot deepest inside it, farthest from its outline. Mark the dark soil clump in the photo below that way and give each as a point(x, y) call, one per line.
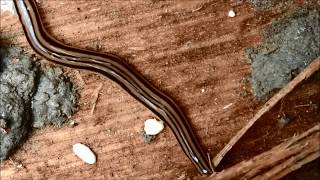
point(290, 44)
point(30, 96)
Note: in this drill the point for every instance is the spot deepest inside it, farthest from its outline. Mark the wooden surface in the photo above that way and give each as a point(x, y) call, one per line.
point(279, 161)
point(189, 49)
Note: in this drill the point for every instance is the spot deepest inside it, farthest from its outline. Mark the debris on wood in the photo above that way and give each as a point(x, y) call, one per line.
point(199, 8)
point(283, 120)
point(277, 162)
point(227, 106)
point(79, 77)
point(16, 164)
point(95, 98)
point(306, 73)
point(153, 126)
point(84, 153)
point(231, 13)
point(290, 43)
point(137, 48)
point(72, 124)
point(7, 6)
point(147, 138)
point(3, 126)
point(183, 176)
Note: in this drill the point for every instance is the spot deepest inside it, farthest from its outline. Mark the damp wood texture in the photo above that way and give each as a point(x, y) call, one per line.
point(192, 51)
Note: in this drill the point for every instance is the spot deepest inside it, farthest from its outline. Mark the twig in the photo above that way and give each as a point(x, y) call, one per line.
point(199, 8)
point(298, 165)
point(277, 162)
point(227, 106)
point(304, 135)
point(302, 105)
point(306, 73)
point(95, 98)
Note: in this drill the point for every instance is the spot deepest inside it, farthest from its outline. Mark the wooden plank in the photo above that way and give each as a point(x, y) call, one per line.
point(194, 55)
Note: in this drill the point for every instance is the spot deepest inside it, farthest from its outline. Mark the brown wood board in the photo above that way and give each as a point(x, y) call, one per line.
point(189, 49)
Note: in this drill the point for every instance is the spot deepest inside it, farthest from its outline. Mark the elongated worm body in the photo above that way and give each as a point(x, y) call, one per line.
point(117, 70)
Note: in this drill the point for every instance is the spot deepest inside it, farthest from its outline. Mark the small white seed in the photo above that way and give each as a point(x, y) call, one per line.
point(153, 126)
point(7, 6)
point(231, 13)
point(84, 153)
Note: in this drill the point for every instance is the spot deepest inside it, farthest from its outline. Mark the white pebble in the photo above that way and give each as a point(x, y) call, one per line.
point(7, 6)
point(84, 153)
point(153, 126)
point(231, 13)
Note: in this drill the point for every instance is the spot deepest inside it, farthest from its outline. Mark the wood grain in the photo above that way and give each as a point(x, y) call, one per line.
point(194, 55)
point(279, 161)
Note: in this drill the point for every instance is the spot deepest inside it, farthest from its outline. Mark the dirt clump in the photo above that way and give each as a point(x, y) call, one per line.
point(290, 44)
point(54, 100)
point(30, 96)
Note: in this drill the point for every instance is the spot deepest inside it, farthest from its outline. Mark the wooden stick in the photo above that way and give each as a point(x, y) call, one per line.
point(277, 162)
point(298, 165)
point(306, 73)
point(95, 98)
